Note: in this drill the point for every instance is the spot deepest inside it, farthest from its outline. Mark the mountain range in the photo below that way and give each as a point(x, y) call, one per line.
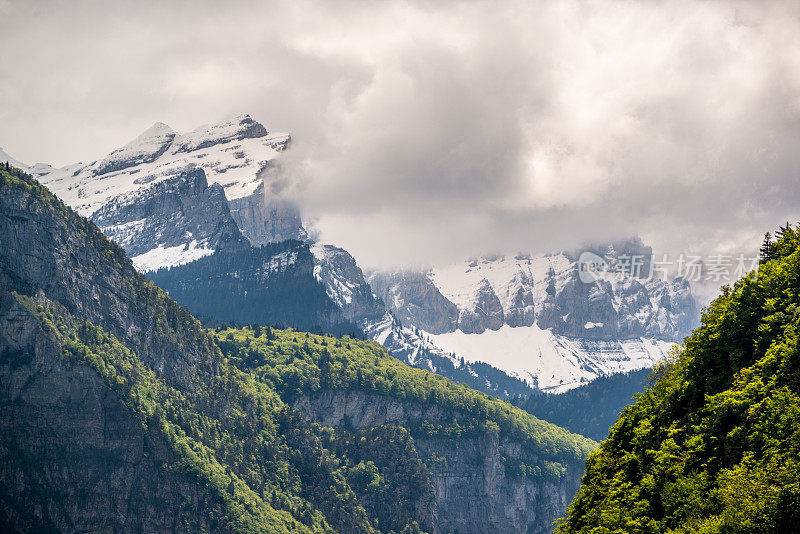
point(507, 325)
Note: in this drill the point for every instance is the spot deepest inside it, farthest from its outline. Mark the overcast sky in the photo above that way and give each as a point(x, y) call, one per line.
point(425, 132)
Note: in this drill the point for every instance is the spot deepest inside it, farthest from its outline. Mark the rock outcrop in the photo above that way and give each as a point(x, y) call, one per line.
point(73, 456)
point(474, 483)
point(175, 221)
point(545, 290)
point(345, 284)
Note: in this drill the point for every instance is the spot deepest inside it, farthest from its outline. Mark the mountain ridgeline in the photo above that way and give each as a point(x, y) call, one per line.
point(121, 413)
point(713, 445)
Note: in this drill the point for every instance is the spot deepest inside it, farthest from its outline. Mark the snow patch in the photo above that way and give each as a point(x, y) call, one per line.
point(162, 256)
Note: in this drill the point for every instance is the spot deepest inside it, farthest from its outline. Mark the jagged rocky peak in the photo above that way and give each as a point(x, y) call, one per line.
point(236, 155)
point(146, 148)
point(345, 284)
point(523, 290)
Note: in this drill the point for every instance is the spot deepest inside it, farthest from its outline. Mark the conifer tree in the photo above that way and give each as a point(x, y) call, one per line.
point(765, 253)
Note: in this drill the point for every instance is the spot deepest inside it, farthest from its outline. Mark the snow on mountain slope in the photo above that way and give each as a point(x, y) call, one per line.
point(522, 290)
point(144, 149)
point(4, 157)
point(458, 281)
point(549, 361)
point(167, 198)
point(164, 256)
point(232, 153)
point(535, 319)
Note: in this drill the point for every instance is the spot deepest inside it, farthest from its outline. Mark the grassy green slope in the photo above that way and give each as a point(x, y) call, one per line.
point(714, 444)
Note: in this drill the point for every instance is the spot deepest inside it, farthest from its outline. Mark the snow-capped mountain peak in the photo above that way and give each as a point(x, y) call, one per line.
point(146, 148)
point(232, 153)
point(168, 197)
point(233, 129)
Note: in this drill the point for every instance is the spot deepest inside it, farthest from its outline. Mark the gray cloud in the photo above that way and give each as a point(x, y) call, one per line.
point(429, 132)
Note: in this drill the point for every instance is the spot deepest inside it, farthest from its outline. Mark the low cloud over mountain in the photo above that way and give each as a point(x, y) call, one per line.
point(427, 133)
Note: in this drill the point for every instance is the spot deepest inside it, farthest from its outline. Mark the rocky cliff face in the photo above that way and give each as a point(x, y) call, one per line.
point(415, 301)
point(473, 483)
point(177, 220)
point(39, 255)
point(73, 457)
point(267, 219)
point(544, 290)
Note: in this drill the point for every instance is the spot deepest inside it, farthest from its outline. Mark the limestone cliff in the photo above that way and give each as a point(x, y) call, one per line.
point(476, 485)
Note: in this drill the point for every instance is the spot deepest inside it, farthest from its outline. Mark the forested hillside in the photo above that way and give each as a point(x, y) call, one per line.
point(589, 410)
point(120, 413)
point(713, 445)
point(271, 284)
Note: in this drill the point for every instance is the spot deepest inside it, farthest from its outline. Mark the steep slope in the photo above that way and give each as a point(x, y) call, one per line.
point(713, 445)
point(122, 414)
point(489, 468)
point(177, 220)
point(270, 285)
